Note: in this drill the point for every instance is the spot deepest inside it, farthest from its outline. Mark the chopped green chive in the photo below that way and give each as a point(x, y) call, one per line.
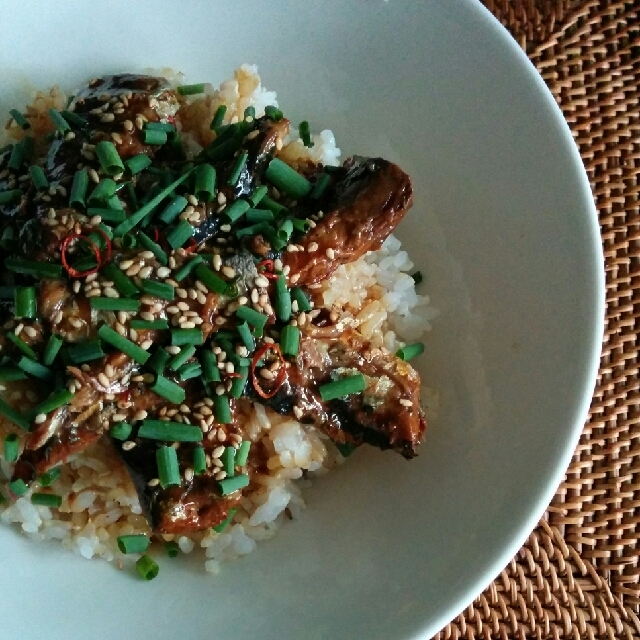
point(218, 117)
point(159, 360)
point(19, 119)
point(154, 136)
point(169, 390)
point(58, 121)
point(191, 89)
point(104, 191)
point(169, 431)
point(120, 430)
point(173, 209)
point(410, 351)
point(107, 215)
point(17, 157)
point(38, 177)
point(417, 277)
point(10, 447)
point(236, 210)
point(222, 409)
point(230, 485)
point(18, 488)
point(10, 197)
point(25, 302)
point(228, 458)
point(56, 400)
point(254, 318)
point(171, 548)
point(74, 119)
point(187, 268)
point(138, 163)
point(109, 158)
point(189, 371)
point(290, 340)
point(283, 299)
point(22, 345)
point(123, 344)
point(150, 325)
point(273, 112)
point(285, 229)
point(147, 567)
point(186, 336)
point(33, 268)
point(305, 134)
point(114, 304)
point(219, 528)
point(257, 195)
point(199, 460)
point(344, 387)
point(212, 281)
point(250, 112)
point(287, 179)
point(167, 127)
point(179, 234)
point(246, 337)
point(123, 284)
point(320, 186)
point(210, 371)
point(129, 241)
point(135, 543)
point(180, 358)
point(9, 373)
point(49, 477)
point(205, 183)
point(168, 469)
point(85, 351)
point(158, 289)
point(345, 448)
point(242, 455)
point(259, 215)
point(52, 348)
point(238, 384)
point(35, 369)
point(155, 248)
point(299, 296)
point(272, 205)
point(46, 500)
point(237, 168)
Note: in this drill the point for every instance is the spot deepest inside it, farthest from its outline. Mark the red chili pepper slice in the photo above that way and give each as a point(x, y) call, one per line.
point(74, 273)
point(282, 372)
point(193, 245)
point(156, 235)
point(265, 268)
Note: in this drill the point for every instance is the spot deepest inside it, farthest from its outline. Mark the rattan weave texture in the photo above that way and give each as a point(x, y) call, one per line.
point(578, 575)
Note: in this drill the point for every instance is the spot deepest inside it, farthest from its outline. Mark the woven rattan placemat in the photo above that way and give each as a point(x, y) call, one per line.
point(578, 575)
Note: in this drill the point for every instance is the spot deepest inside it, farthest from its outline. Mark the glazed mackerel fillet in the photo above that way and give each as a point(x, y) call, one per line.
point(155, 287)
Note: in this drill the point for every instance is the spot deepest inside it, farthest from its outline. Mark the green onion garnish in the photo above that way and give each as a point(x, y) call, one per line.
point(139, 215)
point(250, 112)
point(173, 209)
point(120, 430)
point(320, 186)
point(123, 344)
point(168, 469)
point(158, 289)
point(180, 358)
point(11, 447)
point(417, 277)
point(218, 117)
point(344, 387)
point(135, 543)
point(273, 112)
point(272, 205)
point(246, 337)
point(35, 369)
point(22, 345)
point(242, 454)
point(191, 89)
point(287, 179)
point(167, 127)
point(259, 215)
point(254, 318)
point(236, 169)
point(52, 348)
point(210, 371)
point(9, 373)
point(46, 500)
point(49, 477)
point(205, 182)
point(123, 284)
point(189, 371)
point(33, 268)
point(129, 241)
point(18, 488)
point(236, 210)
point(228, 461)
point(25, 302)
point(154, 136)
point(172, 549)
point(283, 299)
point(155, 248)
point(229, 485)
point(300, 297)
point(285, 229)
point(187, 268)
point(138, 163)
point(238, 384)
point(410, 351)
point(169, 431)
point(179, 234)
point(58, 121)
point(222, 409)
point(345, 448)
point(38, 177)
point(149, 325)
point(159, 360)
point(56, 400)
point(219, 528)
point(73, 118)
point(104, 191)
point(114, 304)
point(212, 281)
point(107, 215)
point(147, 567)
point(109, 158)
point(85, 351)
point(169, 390)
point(9, 197)
point(19, 119)
point(16, 158)
point(305, 134)
point(186, 336)
point(199, 460)
point(290, 340)
point(257, 195)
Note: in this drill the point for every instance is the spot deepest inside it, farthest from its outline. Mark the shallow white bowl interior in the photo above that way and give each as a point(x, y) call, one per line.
point(505, 232)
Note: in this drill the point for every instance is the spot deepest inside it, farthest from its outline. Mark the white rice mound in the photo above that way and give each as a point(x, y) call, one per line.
point(375, 294)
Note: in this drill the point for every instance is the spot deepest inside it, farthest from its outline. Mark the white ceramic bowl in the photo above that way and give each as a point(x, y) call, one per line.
point(505, 231)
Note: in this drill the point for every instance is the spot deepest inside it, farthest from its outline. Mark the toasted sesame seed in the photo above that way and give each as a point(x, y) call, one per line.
point(188, 474)
point(230, 272)
point(146, 344)
point(313, 246)
point(120, 329)
point(107, 117)
point(261, 281)
point(125, 264)
point(188, 325)
point(163, 272)
point(110, 292)
point(133, 270)
point(31, 332)
point(149, 317)
point(128, 445)
point(266, 374)
point(140, 415)
point(128, 125)
point(201, 298)
point(183, 306)
point(133, 334)
point(217, 261)
point(76, 323)
point(118, 417)
point(286, 269)
point(192, 200)
point(154, 482)
point(172, 349)
point(405, 403)
point(40, 418)
point(294, 278)
point(139, 122)
point(103, 380)
point(91, 278)
point(330, 253)
point(145, 272)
